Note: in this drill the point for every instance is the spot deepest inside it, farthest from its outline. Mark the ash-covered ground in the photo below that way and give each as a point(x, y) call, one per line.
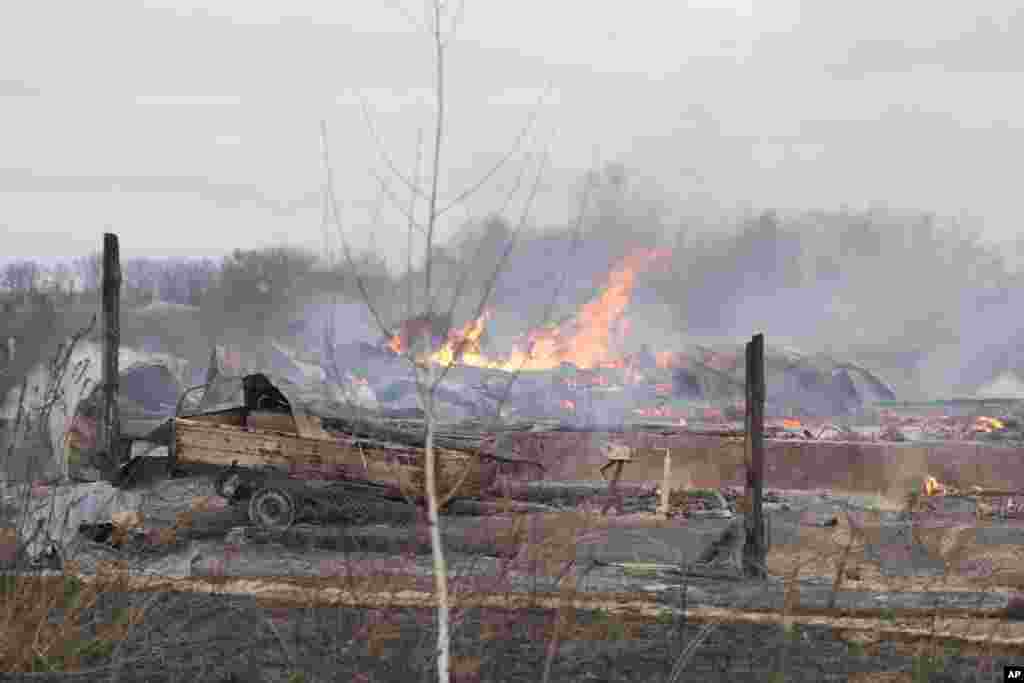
point(188, 635)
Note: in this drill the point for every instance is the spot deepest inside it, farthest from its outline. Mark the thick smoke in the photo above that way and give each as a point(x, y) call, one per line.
point(917, 298)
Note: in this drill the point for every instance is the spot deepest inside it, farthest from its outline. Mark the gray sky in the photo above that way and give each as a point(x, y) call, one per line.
point(191, 128)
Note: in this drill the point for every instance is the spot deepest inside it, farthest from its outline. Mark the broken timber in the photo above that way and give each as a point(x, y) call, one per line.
point(755, 550)
point(746, 548)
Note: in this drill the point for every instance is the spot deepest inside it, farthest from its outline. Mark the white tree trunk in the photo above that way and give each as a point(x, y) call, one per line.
point(434, 520)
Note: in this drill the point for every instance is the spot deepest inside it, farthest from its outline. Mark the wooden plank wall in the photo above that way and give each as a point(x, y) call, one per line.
point(705, 461)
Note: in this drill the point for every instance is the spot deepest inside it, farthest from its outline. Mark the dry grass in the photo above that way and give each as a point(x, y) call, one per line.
point(32, 640)
point(970, 566)
point(35, 641)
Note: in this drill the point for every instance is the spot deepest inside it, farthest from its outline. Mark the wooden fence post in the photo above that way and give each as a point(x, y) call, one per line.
point(111, 345)
point(665, 482)
point(755, 551)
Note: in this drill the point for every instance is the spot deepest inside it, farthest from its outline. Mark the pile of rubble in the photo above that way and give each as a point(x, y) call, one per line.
point(698, 503)
point(633, 497)
point(810, 430)
point(988, 504)
point(1006, 428)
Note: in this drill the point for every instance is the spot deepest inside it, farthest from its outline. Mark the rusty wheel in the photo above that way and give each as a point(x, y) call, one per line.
point(272, 509)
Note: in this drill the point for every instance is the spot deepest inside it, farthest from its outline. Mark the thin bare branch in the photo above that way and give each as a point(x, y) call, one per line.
point(412, 186)
point(396, 201)
point(288, 651)
point(457, 16)
point(333, 209)
point(16, 427)
point(509, 246)
point(330, 361)
point(325, 222)
point(464, 274)
point(486, 177)
point(117, 660)
point(438, 142)
point(411, 223)
point(417, 25)
point(573, 247)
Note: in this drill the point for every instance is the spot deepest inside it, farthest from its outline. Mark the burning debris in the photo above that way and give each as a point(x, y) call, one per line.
point(987, 425)
point(987, 503)
point(586, 370)
point(942, 427)
point(932, 487)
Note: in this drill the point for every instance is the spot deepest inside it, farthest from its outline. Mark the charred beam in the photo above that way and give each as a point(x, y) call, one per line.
point(755, 550)
point(111, 344)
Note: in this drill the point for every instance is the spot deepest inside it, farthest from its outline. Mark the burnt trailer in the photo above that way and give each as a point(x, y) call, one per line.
point(256, 435)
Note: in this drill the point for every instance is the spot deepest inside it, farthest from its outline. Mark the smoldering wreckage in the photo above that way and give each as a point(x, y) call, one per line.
point(326, 431)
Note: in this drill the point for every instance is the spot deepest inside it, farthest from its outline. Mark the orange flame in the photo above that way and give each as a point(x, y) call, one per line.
point(932, 487)
point(987, 424)
point(586, 342)
point(463, 345)
point(589, 344)
point(792, 424)
point(396, 344)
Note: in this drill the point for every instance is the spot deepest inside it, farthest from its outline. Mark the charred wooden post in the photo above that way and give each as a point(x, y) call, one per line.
point(665, 482)
point(755, 550)
point(111, 441)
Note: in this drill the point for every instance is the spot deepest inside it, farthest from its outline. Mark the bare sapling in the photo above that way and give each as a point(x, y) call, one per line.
point(427, 372)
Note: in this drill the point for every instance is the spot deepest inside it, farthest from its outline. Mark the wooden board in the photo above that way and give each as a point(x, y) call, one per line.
point(311, 427)
point(233, 417)
point(199, 442)
point(276, 422)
